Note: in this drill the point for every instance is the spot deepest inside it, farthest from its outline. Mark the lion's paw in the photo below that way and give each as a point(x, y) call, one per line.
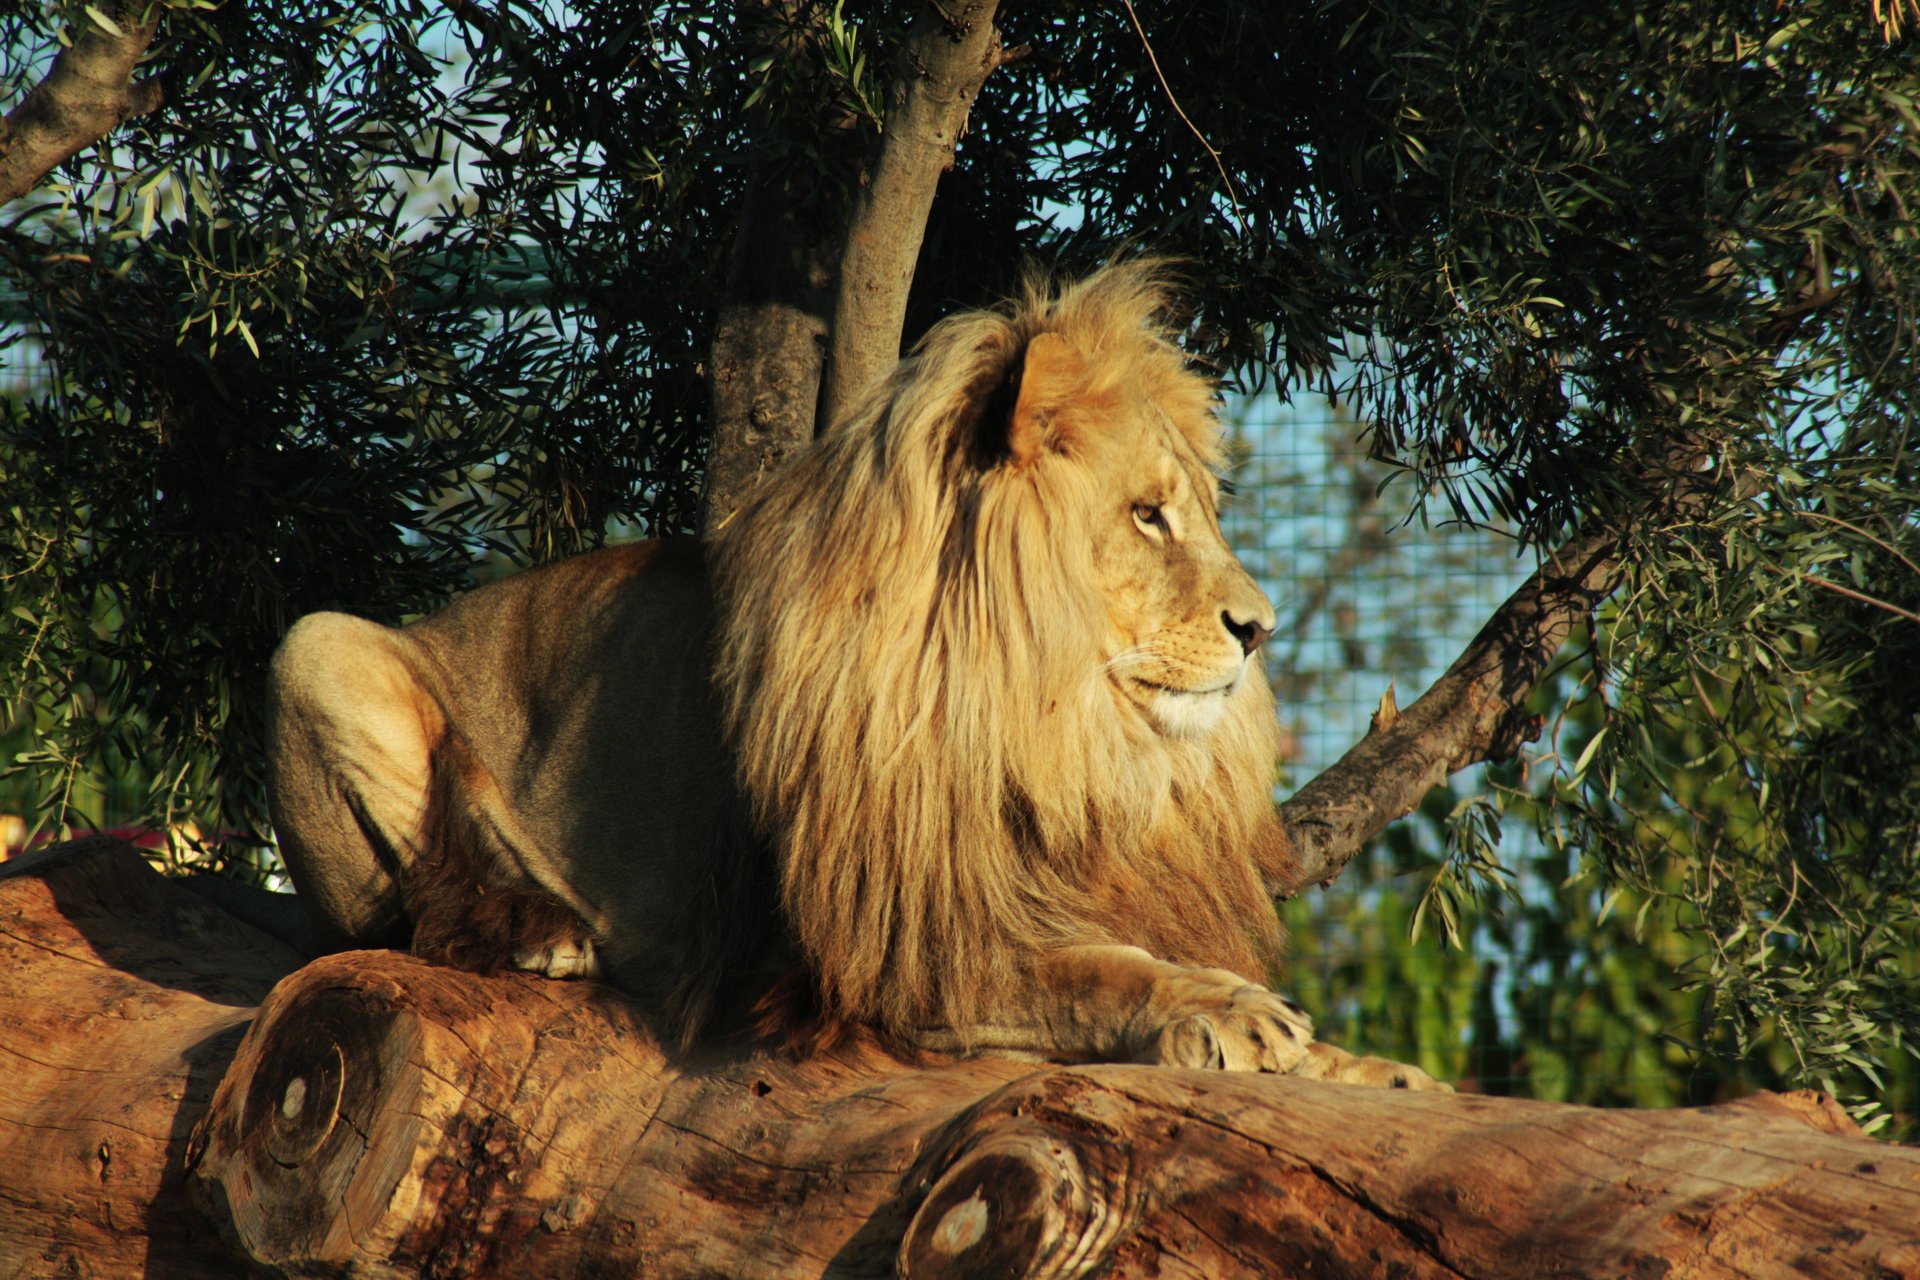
point(1325, 1062)
point(565, 958)
point(1232, 1027)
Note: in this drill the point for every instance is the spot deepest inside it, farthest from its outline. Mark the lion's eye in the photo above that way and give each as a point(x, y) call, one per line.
point(1149, 517)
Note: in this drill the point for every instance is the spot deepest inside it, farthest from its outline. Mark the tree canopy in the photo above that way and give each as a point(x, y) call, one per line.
point(357, 295)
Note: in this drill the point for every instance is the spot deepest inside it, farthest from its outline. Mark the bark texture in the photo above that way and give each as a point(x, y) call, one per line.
point(88, 91)
point(949, 53)
point(385, 1117)
point(122, 999)
point(769, 344)
point(770, 330)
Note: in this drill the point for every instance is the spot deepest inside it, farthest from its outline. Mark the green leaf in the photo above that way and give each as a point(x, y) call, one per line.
point(102, 21)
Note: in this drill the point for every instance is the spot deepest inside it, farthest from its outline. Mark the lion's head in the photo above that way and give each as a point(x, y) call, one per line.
point(986, 663)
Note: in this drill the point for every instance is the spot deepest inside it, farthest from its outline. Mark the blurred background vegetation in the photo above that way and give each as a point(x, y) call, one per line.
point(1569, 985)
point(386, 299)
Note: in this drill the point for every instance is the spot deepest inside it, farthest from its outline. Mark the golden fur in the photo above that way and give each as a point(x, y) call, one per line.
point(977, 669)
point(912, 650)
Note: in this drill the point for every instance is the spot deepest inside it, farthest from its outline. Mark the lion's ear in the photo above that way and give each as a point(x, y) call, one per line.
point(1053, 374)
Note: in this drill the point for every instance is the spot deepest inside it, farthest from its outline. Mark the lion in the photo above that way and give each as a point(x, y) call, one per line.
point(960, 719)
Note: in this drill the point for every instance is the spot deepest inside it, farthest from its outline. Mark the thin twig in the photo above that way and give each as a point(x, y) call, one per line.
point(1848, 592)
point(1233, 193)
point(1884, 546)
point(1861, 596)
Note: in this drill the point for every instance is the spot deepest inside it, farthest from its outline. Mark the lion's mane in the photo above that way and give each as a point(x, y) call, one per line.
point(910, 671)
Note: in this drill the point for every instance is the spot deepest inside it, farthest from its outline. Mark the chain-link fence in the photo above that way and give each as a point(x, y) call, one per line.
point(1550, 991)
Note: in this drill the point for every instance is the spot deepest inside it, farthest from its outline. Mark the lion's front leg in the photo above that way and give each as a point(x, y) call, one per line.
point(1208, 1018)
point(1121, 1004)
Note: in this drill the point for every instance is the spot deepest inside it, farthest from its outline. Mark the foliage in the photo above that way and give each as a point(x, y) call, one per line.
point(257, 373)
point(1570, 993)
point(1756, 774)
point(385, 288)
point(1687, 238)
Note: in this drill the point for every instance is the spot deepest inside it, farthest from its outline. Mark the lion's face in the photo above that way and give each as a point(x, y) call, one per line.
point(1183, 616)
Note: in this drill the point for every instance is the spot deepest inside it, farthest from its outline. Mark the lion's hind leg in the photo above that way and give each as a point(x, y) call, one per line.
point(394, 833)
point(483, 894)
point(352, 728)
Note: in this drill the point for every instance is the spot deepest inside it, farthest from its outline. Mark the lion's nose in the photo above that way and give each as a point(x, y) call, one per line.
point(1250, 632)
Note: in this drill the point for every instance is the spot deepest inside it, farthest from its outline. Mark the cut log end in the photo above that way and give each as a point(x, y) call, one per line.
point(283, 1168)
point(1033, 1184)
point(1021, 1203)
point(385, 1116)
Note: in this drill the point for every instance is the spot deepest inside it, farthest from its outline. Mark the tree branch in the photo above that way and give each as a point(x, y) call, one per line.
point(88, 91)
point(1472, 713)
point(1475, 712)
point(947, 57)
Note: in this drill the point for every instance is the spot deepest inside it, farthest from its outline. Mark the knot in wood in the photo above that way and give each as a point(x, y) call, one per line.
point(1022, 1202)
point(296, 1124)
point(962, 1226)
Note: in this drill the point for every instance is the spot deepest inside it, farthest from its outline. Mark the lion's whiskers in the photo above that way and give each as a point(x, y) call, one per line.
point(1129, 658)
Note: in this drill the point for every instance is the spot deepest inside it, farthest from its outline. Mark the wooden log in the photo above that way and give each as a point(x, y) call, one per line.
point(122, 999)
point(404, 1120)
point(384, 1117)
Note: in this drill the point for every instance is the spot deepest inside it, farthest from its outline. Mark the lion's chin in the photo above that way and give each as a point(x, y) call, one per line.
point(1188, 713)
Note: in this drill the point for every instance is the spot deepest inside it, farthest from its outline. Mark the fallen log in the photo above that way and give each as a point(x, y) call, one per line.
point(122, 1000)
point(385, 1117)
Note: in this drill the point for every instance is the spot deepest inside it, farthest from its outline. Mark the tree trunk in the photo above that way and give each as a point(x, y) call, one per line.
point(385, 1117)
point(88, 91)
point(948, 54)
point(769, 344)
point(770, 330)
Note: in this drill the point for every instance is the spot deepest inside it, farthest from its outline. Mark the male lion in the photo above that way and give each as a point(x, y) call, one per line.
point(969, 686)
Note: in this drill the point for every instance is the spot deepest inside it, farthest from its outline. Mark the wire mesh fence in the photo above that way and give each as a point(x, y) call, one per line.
point(1546, 993)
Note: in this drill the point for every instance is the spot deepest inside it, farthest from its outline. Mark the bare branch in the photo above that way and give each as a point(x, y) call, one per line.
point(1233, 192)
point(1476, 711)
point(1470, 714)
point(947, 57)
point(88, 91)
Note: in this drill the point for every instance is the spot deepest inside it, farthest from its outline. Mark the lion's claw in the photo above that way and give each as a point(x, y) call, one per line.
point(565, 958)
point(1238, 1027)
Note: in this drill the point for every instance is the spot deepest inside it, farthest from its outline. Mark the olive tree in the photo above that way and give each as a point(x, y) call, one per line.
point(322, 307)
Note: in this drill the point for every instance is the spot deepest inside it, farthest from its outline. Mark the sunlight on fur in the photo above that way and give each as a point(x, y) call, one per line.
point(925, 676)
point(976, 669)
